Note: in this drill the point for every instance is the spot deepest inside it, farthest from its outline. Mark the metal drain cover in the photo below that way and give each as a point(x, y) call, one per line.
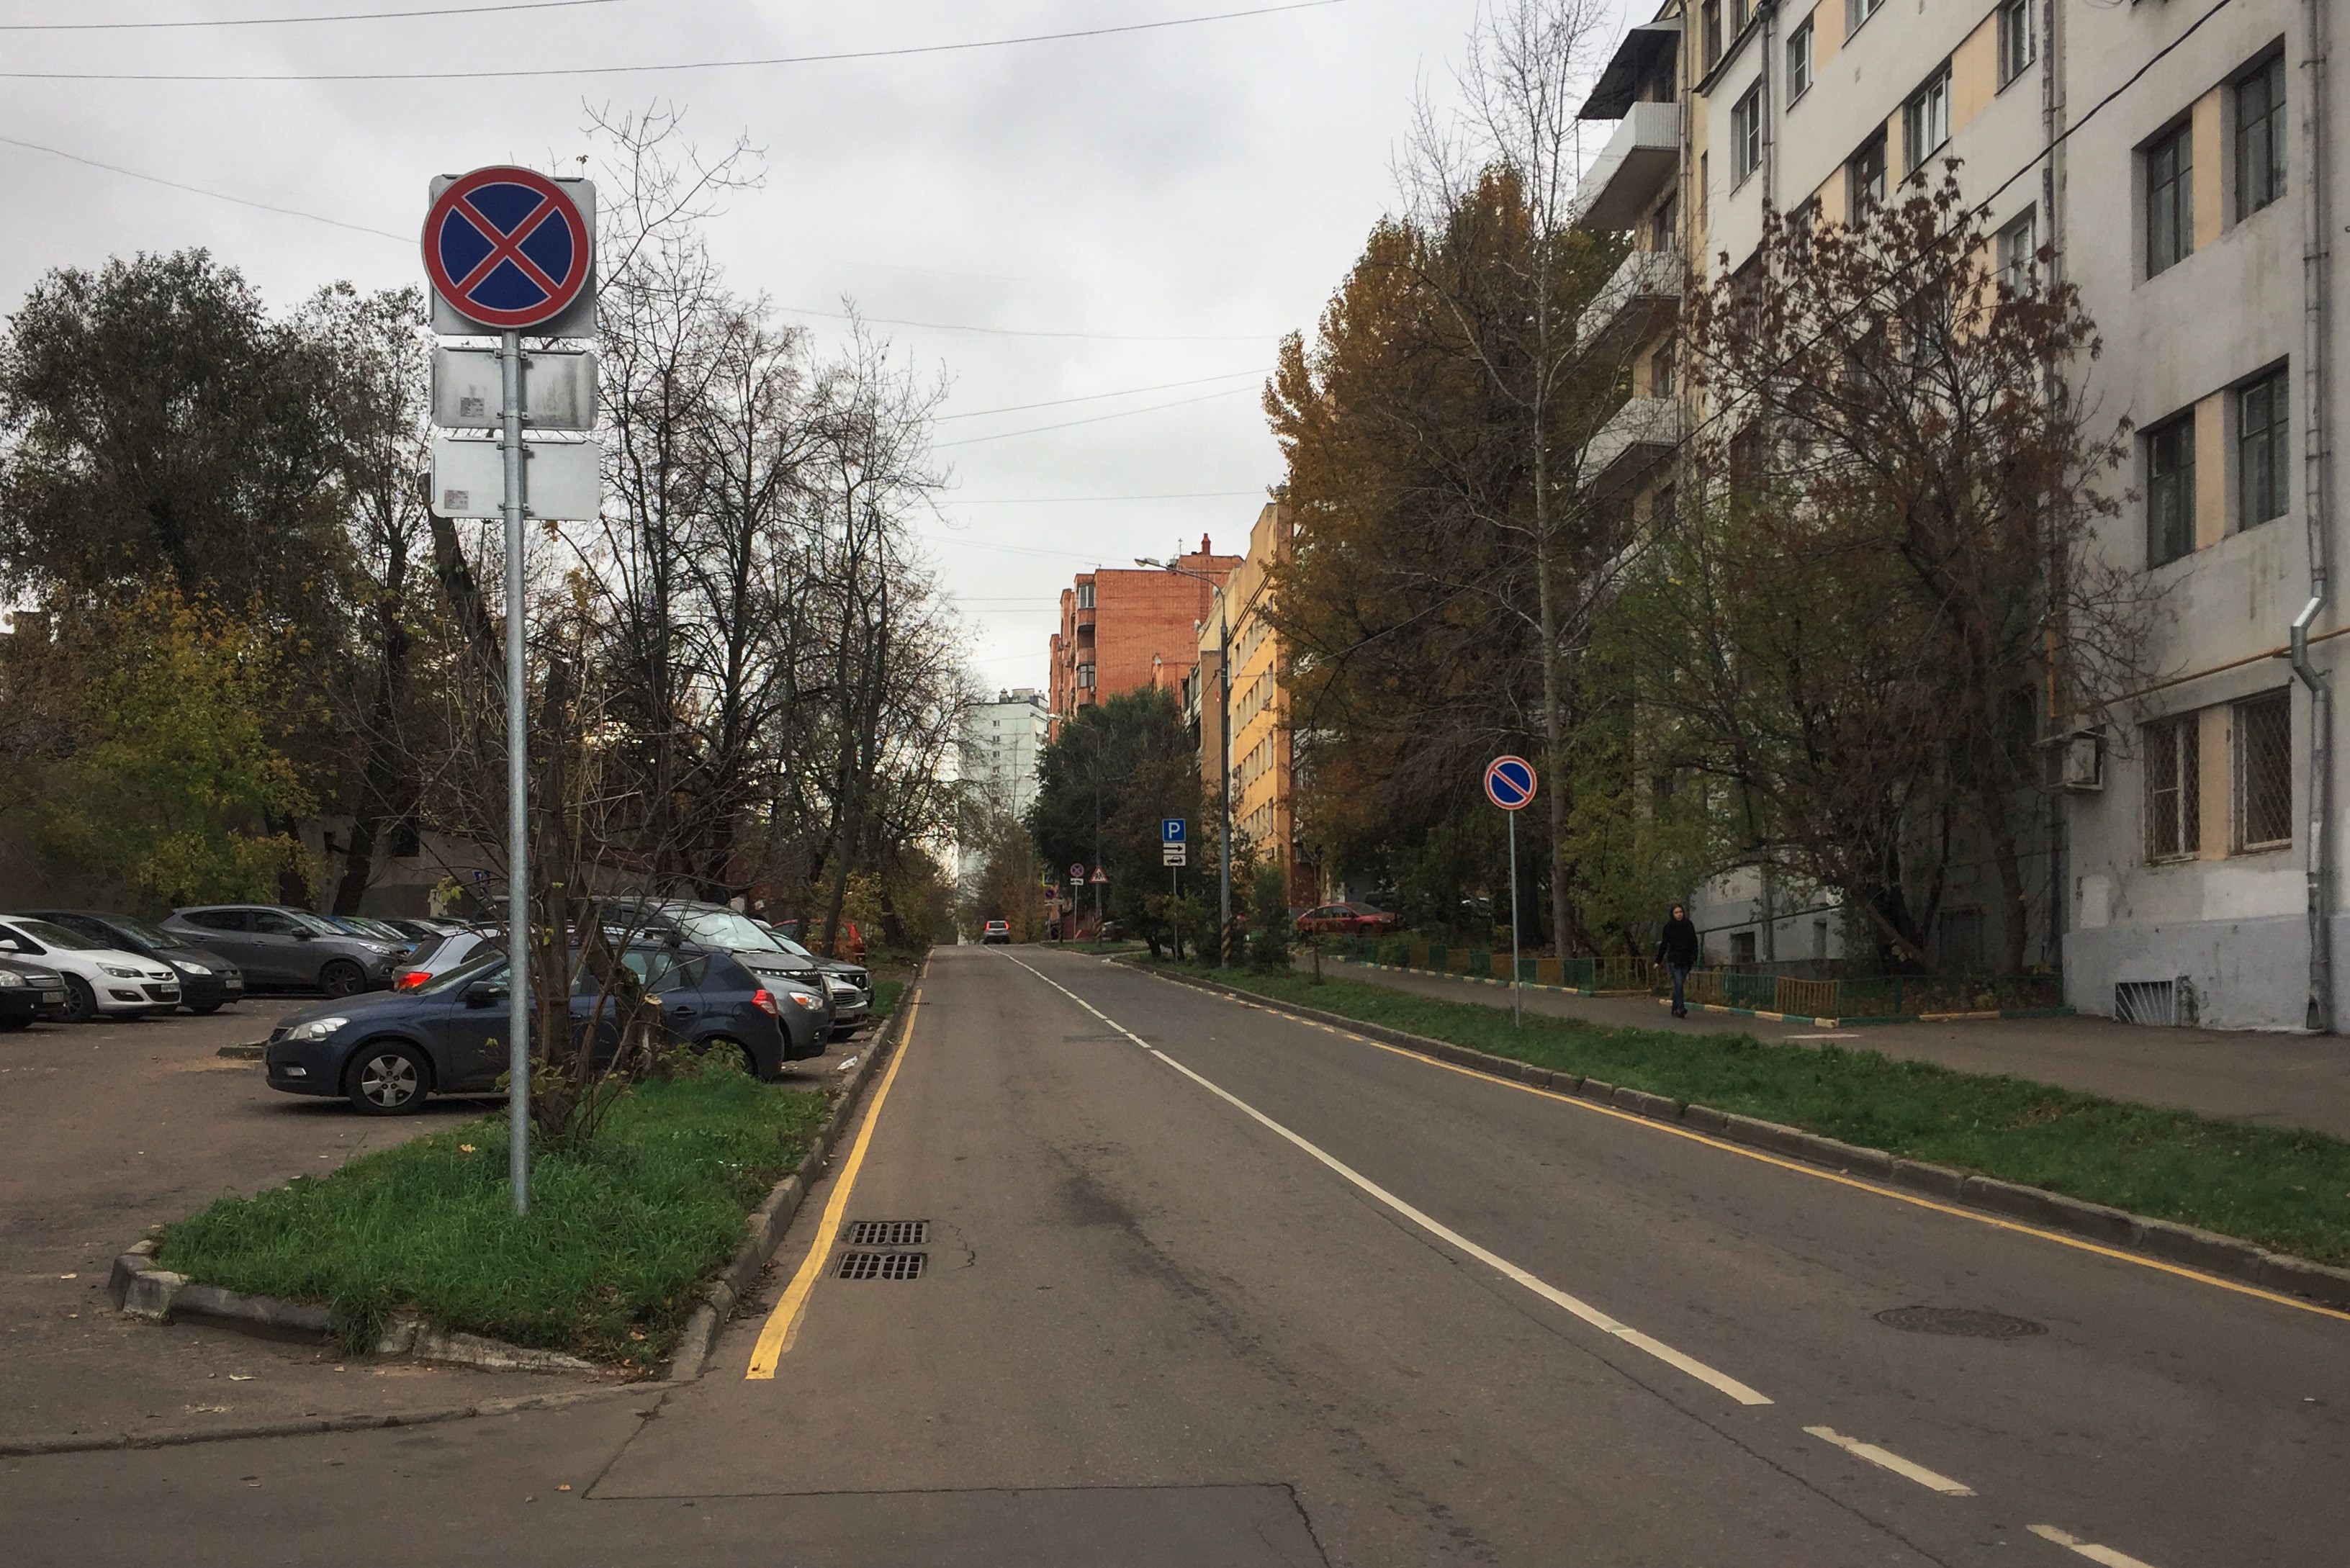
point(881, 1265)
point(886, 1232)
point(1967, 1323)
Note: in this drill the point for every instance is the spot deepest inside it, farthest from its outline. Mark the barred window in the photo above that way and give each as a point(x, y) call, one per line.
point(2170, 200)
point(2263, 449)
point(2264, 771)
point(2174, 808)
point(2260, 136)
point(2170, 491)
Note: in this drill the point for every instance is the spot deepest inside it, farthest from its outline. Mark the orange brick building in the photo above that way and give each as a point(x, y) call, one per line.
point(1128, 627)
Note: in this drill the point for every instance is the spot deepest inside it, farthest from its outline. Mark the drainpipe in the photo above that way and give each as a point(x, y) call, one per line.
point(2317, 464)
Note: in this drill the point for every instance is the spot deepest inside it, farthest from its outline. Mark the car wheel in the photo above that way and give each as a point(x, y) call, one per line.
point(206, 1009)
point(724, 1045)
point(388, 1079)
point(81, 1002)
point(342, 978)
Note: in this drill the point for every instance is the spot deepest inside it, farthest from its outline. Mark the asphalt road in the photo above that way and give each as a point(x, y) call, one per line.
point(1207, 1285)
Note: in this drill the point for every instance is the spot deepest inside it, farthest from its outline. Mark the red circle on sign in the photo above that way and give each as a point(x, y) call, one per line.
point(491, 254)
point(1510, 783)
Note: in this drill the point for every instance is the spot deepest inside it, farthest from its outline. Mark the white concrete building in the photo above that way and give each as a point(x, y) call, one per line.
point(2184, 162)
point(1001, 741)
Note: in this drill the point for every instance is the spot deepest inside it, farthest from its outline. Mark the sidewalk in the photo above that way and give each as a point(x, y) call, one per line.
point(2276, 1080)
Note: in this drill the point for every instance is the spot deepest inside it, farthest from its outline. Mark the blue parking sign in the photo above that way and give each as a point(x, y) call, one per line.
point(1170, 830)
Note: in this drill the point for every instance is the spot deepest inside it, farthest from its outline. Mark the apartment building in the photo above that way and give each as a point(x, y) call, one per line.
point(1129, 628)
point(2182, 161)
point(1261, 774)
point(997, 757)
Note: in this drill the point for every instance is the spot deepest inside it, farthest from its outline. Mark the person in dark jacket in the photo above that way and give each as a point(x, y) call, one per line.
point(1677, 950)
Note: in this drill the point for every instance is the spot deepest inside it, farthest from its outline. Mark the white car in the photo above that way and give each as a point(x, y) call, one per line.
point(98, 979)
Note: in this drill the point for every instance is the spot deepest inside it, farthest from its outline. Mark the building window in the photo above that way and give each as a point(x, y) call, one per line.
point(1660, 373)
point(1864, 178)
point(1926, 121)
point(2263, 449)
point(1084, 676)
point(2174, 815)
point(1084, 596)
point(2260, 137)
point(2170, 491)
point(1855, 12)
point(1712, 33)
point(2019, 249)
point(1746, 135)
point(1799, 61)
point(2018, 39)
point(2264, 729)
point(2170, 200)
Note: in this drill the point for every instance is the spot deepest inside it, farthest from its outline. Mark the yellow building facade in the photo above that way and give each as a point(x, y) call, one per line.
point(1262, 774)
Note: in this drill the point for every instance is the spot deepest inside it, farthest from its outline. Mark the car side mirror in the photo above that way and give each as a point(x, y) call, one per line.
point(485, 993)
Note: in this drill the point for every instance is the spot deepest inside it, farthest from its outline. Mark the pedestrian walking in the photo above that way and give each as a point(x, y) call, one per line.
point(1678, 950)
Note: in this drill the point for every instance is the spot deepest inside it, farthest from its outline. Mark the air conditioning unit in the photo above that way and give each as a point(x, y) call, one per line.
point(2083, 765)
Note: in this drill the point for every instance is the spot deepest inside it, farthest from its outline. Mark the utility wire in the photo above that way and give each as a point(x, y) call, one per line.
point(1098, 396)
point(1097, 418)
point(202, 191)
point(482, 10)
point(1029, 332)
point(533, 72)
point(1062, 500)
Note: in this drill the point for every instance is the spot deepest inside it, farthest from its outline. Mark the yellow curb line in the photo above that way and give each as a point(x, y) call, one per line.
point(782, 1324)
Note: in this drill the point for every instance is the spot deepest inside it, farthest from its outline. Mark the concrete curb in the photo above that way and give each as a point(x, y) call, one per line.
point(773, 1218)
point(2203, 1252)
point(1722, 1007)
point(302, 1427)
point(142, 1290)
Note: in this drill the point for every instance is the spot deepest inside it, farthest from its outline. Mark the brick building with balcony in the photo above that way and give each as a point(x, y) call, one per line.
point(1123, 628)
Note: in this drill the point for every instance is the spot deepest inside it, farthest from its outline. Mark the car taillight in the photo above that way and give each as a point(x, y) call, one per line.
point(411, 980)
point(765, 1003)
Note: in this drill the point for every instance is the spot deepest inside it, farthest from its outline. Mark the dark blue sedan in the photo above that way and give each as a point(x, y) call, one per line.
point(387, 1051)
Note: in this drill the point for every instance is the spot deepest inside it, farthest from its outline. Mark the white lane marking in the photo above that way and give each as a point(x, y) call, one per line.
point(1501, 1266)
point(1888, 1459)
point(2095, 1554)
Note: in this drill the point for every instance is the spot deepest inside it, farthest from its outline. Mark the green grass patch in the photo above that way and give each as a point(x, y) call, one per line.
point(885, 994)
point(607, 1263)
point(1097, 946)
point(2286, 1188)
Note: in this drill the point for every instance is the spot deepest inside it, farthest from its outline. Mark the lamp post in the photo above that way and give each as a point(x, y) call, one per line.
point(1223, 744)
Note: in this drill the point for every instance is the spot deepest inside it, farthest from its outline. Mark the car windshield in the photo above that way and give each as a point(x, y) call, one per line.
point(489, 966)
point(792, 947)
point(138, 931)
point(317, 924)
point(56, 936)
point(724, 929)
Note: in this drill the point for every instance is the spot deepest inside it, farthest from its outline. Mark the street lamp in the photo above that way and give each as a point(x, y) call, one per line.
point(1223, 746)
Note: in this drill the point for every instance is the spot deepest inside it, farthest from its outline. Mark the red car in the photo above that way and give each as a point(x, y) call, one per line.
point(1345, 920)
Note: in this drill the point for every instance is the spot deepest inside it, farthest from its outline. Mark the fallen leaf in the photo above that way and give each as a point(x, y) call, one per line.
point(465, 1148)
point(565, 1486)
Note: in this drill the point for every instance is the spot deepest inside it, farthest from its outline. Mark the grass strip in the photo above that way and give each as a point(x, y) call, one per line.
point(2286, 1188)
point(607, 1263)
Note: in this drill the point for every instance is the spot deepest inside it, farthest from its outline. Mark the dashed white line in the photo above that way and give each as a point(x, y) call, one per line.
point(1885, 1459)
point(2090, 1550)
point(1591, 1315)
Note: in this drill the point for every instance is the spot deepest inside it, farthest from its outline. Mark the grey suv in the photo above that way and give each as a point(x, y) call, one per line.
point(276, 946)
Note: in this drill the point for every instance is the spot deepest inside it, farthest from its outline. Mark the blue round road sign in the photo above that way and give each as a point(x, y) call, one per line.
point(507, 248)
point(1510, 783)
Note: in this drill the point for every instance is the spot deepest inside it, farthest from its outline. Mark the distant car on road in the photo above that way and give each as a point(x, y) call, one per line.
point(1345, 920)
point(279, 946)
point(387, 1054)
point(207, 981)
point(98, 979)
point(997, 931)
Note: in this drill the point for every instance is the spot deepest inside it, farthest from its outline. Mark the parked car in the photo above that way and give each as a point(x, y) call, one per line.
point(207, 981)
point(374, 929)
point(715, 926)
point(20, 1002)
point(851, 983)
point(1345, 920)
point(851, 942)
point(419, 930)
point(275, 945)
point(996, 931)
point(388, 1054)
point(443, 955)
point(47, 987)
point(98, 979)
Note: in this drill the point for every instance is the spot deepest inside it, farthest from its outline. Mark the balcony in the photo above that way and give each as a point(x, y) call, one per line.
point(1633, 305)
point(1632, 170)
point(1630, 446)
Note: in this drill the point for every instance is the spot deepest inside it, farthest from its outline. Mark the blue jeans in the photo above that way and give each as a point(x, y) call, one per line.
point(1680, 975)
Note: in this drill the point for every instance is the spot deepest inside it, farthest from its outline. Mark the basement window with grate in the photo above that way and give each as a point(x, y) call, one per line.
point(2263, 732)
point(2174, 829)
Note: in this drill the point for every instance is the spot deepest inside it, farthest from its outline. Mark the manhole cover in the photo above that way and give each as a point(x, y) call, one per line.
point(882, 1265)
point(888, 1232)
point(1967, 1323)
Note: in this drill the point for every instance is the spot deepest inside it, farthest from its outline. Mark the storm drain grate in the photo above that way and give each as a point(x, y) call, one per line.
point(886, 1232)
point(882, 1265)
point(1967, 1323)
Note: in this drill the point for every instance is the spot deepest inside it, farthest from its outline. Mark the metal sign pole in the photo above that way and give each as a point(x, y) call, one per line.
point(1517, 993)
point(517, 793)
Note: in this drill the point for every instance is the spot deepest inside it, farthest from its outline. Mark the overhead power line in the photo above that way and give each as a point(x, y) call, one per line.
point(1031, 332)
point(482, 10)
point(1097, 418)
point(203, 190)
point(533, 72)
point(1071, 500)
point(1098, 396)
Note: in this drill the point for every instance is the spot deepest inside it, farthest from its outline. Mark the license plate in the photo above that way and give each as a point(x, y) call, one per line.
point(53, 999)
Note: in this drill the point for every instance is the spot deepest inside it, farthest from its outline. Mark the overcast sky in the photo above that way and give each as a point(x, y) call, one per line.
point(1122, 212)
